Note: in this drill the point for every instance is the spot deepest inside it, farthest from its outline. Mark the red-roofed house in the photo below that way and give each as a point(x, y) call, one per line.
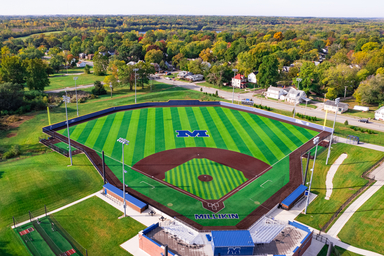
point(239, 81)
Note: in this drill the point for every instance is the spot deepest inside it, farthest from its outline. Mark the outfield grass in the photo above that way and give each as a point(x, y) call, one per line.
point(346, 181)
point(224, 88)
point(64, 146)
point(31, 183)
point(95, 225)
point(60, 82)
point(366, 227)
point(185, 176)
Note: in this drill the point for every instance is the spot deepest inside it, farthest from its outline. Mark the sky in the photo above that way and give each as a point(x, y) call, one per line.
point(295, 8)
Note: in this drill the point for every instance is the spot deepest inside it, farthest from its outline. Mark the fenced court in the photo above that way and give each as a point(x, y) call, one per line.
point(211, 166)
point(45, 236)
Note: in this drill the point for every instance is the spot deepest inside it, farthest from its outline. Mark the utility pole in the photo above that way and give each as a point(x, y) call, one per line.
point(294, 110)
point(337, 101)
point(124, 142)
point(345, 91)
point(316, 142)
point(233, 85)
point(135, 69)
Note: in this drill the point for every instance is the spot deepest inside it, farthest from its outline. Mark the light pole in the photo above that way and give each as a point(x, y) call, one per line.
point(77, 106)
point(294, 110)
point(316, 142)
point(345, 91)
point(110, 86)
point(233, 86)
point(123, 142)
point(67, 99)
point(135, 69)
point(306, 104)
point(337, 101)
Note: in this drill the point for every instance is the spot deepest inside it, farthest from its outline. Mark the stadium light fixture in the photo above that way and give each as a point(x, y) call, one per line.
point(337, 101)
point(123, 142)
point(316, 141)
point(77, 105)
point(135, 69)
point(233, 85)
point(66, 100)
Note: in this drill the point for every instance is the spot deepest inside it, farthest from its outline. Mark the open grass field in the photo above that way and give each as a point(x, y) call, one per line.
point(64, 146)
point(45, 33)
point(29, 184)
point(366, 227)
point(186, 176)
point(152, 130)
point(341, 252)
point(60, 82)
point(95, 225)
point(45, 239)
point(346, 181)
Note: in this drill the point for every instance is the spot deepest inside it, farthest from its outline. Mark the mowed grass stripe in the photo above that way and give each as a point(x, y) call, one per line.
point(226, 136)
point(287, 132)
point(140, 137)
point(200, 142)
point(86, 131)
point(215, 172)
point(180, 142)
point(287, 141)
point(117, 150)
point(191, 180)
point(185, 125)
point(213, 185)
point(238, 134)
point(94, 134)
point(203, 190)
point(159, 131)
point(306, 132)
point(262, 151)
point(131, 136)
point(169, 130)
point(273, 142)
point(110, 142)
point(101, 140)
point(209, 142)
point(78, 130)
point(214, 131)
point(150, 136)
point(223, 173)
point(298, 133)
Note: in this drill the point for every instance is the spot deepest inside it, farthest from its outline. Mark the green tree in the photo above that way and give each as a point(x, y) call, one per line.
point(154, 56)
point(371, 90)
point(11, 96)
point(308, 76)
point(100, 64)
point(36, 74)
point(12, 70)
point(98, 89)
point(56, 62)
point(268, 71)
point(340, 76)
point(126, 76)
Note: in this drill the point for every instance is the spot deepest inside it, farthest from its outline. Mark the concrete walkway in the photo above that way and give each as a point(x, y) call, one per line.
point(57, 210)
point(331, 174)
point(361, 144)
point(377, 174)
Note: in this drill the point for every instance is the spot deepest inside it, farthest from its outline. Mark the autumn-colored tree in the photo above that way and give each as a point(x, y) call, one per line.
point(154, 56)
point(206, 55)
point(278, 36)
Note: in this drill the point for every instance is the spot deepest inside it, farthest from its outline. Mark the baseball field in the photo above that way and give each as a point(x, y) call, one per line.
point(200, 178)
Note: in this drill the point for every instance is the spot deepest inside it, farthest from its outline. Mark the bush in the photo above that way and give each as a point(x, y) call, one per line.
point(12, 152)
point(99, 89)
point(346, 122)
point(217, 93)
point(201, 89)
point(87, 69)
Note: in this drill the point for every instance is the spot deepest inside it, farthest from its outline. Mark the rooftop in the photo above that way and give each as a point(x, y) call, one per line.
point(232, 238)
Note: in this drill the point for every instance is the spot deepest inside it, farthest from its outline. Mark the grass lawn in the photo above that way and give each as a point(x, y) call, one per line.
point(224, 88)
point(341, 252)
point(45, 33)
point(60, 82)
point(346, 181)
point(95, 225)
point(365, 114)
point(64, 146)
point(70, 72)
point(29, 184)
point(366, 227)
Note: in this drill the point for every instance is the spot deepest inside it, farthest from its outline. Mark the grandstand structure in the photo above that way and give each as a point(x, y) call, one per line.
point(211, 168)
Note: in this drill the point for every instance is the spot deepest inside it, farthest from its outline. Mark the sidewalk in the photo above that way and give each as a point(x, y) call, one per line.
point(362, 144)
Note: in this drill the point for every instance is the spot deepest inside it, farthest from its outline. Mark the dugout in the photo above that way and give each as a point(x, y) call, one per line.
point(237, 242)
point(131, 201)
point(290, 201)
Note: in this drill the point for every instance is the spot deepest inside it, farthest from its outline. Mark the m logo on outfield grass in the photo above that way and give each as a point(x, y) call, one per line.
point(195, 133)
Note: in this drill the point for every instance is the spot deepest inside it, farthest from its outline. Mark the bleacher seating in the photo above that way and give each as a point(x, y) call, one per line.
point(265, 230)
point(182, 232)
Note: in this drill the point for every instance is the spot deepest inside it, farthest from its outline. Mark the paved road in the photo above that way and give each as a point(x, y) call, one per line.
point(375, 125)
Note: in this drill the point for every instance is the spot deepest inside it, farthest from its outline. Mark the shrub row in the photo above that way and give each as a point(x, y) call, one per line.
point(262, 107)
point(355, 128)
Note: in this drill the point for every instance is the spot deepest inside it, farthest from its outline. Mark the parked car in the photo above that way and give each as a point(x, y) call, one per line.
point(364, 120)
point(169, 73)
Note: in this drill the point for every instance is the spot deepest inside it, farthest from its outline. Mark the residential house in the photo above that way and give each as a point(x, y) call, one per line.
point(111, 53)
point(275, 92)
point(194, 78)
point(82, 55)
point(252, 77)
point(156, 66)
point(81, 64)
point(330, 105)
point(184, 74)
point(169, 65)
point(239, 81)
point(295, 95)
point(379, 114)
point(131, 63)
point(90, 56)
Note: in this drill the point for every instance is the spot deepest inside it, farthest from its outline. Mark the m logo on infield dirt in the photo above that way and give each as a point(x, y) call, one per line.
point(195, 133)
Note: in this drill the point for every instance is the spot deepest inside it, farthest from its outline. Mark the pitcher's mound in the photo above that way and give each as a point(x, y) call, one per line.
point(205, 178)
